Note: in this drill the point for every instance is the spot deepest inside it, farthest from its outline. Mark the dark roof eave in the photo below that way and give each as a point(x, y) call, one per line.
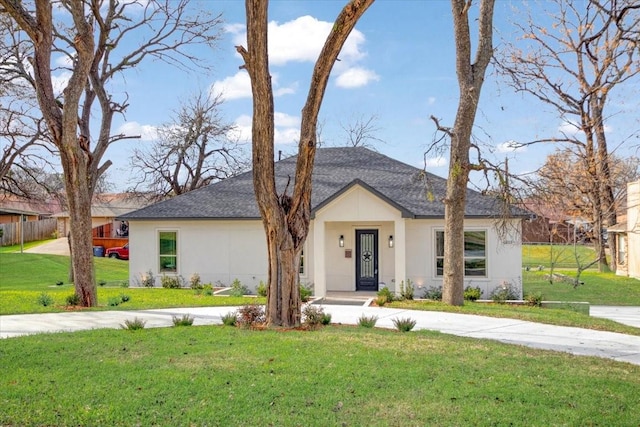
point(125, 218)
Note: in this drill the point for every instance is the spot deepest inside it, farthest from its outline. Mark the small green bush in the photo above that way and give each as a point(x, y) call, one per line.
point(238, 289)
point(124, 297)
point(534, 299)
point(59, 283)
point(406, 291)
point(313, 316)
point(472, 294)
point(433, 293)
point(195, 282)
point(367, 321)
point(207, 290)
point(261, 290)
point(124, 284)
point(503, 293)
point(171, 282)
point(251, 315)
point(305, 292)
point(386, 295)
point(185, 320)
point(326, 318)
point(114, 301)
point(73, 300)
point(44, 299)
point(133, 325)
point(404, 325)
point(230, 319)
point(147, 279)
point(102, 283)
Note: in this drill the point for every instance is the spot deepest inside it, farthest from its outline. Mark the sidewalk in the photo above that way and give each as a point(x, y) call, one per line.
point(586, 342)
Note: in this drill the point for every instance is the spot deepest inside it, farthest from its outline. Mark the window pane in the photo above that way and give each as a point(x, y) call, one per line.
point(168, 248)
point(474, 243)
point(439, 266)
point(439, 243)
point(475, 267)
point(168, 264)
point(474, 253)
point(168, 242)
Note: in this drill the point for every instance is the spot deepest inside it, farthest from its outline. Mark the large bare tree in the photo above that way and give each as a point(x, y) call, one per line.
point(573, 65)
point(470, 71)
point(21, 124)
point(195, 149)
point(286, 217)
point(99, 39)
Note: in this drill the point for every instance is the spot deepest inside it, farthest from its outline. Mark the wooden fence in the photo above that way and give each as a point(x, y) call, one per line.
point(33, 230)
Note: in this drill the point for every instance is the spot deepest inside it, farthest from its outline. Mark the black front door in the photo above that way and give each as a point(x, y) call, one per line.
point(366, 260)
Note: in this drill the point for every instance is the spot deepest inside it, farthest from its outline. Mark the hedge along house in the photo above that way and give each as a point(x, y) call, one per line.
point(374, 220)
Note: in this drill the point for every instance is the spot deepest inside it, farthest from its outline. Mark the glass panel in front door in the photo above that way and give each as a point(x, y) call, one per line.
point(367, 267)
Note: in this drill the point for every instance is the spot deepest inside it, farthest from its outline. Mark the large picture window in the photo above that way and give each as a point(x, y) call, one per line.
point(168, 251)
point(475, 253)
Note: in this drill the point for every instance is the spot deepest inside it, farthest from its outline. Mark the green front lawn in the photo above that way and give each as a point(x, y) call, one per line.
point(214, 375)
point(40, 272)
point(597, 289)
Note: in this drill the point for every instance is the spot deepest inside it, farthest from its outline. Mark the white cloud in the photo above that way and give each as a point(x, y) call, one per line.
point(510, 147)
point(242, 130)
point(239, 86)
point(286, 120)
point(287, 128)
point(146, 132)
point(436, 162)
point(570, 128)
point(287, 135)
point(356, 77)
point(236, 29)
point(64, 61)
point(431, 100)
point(60, 82)
point(301, 40)
point(233, 87)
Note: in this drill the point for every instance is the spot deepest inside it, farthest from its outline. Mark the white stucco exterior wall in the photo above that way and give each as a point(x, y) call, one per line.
point(219, 251)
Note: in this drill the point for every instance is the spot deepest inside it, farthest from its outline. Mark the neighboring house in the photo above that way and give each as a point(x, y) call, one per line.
point(627, 235)
point(24, 220)
point(373, 220)
point(105, 210)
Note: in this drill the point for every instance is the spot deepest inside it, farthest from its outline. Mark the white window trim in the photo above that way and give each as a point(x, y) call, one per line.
point(470, 229)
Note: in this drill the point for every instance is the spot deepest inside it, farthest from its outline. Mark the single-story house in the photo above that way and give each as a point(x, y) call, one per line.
point(627, 235)
point(374, 220)
point(25, 220)
point(105, 209)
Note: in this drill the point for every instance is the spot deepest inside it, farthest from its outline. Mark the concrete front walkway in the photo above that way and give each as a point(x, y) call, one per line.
point(620, 347)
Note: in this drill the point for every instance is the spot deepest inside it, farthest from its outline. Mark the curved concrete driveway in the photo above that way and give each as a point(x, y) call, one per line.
point(58, 246)
point(620, 347)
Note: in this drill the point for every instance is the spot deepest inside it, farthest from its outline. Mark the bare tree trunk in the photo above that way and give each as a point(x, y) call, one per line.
point(607, 212)
point(79, 203)
point(470, 79)
point(286, 218)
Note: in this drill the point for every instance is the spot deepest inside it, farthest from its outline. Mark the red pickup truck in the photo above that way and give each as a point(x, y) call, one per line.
point(121, 252)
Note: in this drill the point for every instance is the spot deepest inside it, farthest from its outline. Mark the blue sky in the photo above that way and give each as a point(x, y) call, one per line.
point(398, 65)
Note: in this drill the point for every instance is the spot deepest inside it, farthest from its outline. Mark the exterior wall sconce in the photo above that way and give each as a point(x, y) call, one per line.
point(341, 241)
point(390, 241)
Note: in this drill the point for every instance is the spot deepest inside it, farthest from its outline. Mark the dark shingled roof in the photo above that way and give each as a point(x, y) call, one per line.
point(412, 191)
